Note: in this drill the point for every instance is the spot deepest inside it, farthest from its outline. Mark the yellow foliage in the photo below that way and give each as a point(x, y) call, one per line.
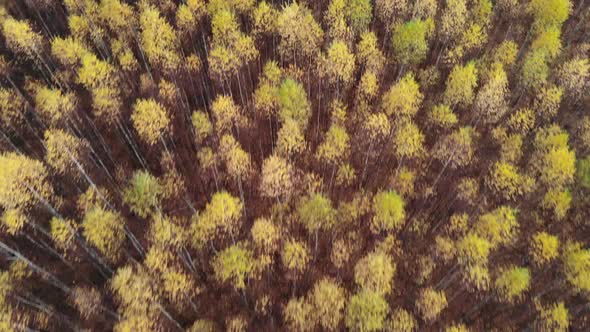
point(226, 113)
point(95, 73)
point(202, 126)
point(473, 250)
point(23, 182)
point(300, 34)
point(544, 248)
point(237, 161)
point(505, 180)
point(54, 106)
point(576, 265)
point(401, 321)
point(164, 231)
point(328, 300)
point(295, 256)
point(63, 232)
point(512, 283)
point(105, 230)
point(151, 120)
point(65, 153)
point(12, 108)
point(339, 64)
point(554, 318)
point(558, 201)
point(189, 15)
point(431, 303)
point(299, 315)
point(476, 277)
point(13, 221)
point(403, 99)
point(445, 248)
point(93, 197)
point(20, 38)
point(86, 300)
point(158, 39)
point(375, 272)
point(266, 235)
point(234, 264)
point(119, 17)
point(135, 293)
point(222, 214)
point(336, 145)
point(522, 121)
point(408, 140)
point(291, 140)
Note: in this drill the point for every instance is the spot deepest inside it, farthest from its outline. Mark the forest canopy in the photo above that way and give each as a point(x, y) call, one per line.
point(294, 165)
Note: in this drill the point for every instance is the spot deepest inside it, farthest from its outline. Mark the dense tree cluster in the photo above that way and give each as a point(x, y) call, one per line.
point(294, 165)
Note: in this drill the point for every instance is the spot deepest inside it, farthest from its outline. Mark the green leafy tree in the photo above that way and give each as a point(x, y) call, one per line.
point(410, 41)
point(294, 104)
point(143, 193)
point(388, 212)
point(366, 311)
point(316, 212)
point(360, 14)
